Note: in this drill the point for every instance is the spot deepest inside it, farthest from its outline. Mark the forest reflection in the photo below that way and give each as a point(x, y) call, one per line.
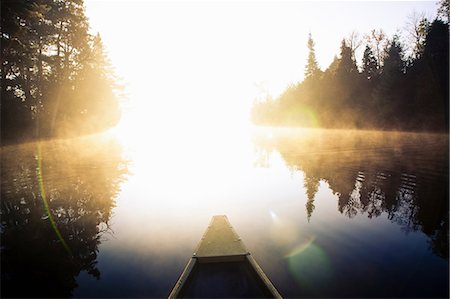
point(44, 249)
point(402, 175)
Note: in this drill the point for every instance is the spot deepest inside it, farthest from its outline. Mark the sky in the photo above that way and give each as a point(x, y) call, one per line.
point(196, 62)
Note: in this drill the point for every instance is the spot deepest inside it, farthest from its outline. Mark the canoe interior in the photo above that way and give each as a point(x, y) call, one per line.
point(222, 267)
point(237, 279)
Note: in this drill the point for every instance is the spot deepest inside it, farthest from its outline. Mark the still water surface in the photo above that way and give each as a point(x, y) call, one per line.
point(325, 213)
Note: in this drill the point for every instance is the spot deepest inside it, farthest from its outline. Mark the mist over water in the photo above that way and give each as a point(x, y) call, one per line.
point(127, 125)
point(314, 207)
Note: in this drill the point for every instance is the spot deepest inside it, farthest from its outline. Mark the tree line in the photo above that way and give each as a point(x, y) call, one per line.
point(391, 89)
point(56, 78)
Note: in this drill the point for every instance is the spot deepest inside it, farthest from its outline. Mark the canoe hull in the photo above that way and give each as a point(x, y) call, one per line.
point(230, 279)
point(222, 267)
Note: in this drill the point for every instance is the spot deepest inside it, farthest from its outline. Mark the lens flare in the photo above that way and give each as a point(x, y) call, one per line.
point(273, 216)
point(45, 202)
point(283, 232)
point(310, 117)
point(310, 266)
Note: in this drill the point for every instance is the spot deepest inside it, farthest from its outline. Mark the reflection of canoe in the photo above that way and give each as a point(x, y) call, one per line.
point(222, 267)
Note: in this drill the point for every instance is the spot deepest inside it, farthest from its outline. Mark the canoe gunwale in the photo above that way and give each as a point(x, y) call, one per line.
point(213, 254)
point(263, 277)
point(248, 257)
point(183, 278)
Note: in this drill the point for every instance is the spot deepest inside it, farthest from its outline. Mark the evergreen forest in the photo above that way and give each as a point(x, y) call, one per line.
point(56, 80)
point(397, 85)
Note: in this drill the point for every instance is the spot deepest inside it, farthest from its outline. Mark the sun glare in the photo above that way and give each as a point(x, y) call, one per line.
point(188, 68)
point(194, 69)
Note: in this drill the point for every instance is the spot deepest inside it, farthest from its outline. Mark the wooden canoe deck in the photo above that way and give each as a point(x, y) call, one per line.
point(221, 266)
point(220, 242)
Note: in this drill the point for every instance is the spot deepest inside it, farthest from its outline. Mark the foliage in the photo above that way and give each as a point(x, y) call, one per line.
point(370, 65)
point(444, 10)
point(47, 58)
point(392, 91)
point(312, 68)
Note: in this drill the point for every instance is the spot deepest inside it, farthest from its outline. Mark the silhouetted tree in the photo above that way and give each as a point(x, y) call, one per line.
point(378, 41)
point(394, 63)
point(444, 10)
point(19, 50)
point(389, 93)
point(347, 65)
point(45, 46)
point(432, 77)
point(93, 80)
point(354, 42)
point(369, 66)
point(312, 68)
point(347, 87)
point(393, 91)
point(417, 28)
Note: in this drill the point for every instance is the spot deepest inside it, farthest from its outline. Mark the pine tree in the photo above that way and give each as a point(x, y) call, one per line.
point(370, 66)
point(394, 63)
point(347, 64)
point(45, 49)
point(312, 67)
point(94, 100)
point(444, 10)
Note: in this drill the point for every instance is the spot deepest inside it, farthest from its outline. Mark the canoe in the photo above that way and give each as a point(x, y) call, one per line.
point(222, 267)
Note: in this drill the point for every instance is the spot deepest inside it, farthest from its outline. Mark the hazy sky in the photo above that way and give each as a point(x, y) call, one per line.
point(218, 56)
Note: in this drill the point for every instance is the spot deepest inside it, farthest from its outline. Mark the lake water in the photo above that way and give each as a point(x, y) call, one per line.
point(326, 213)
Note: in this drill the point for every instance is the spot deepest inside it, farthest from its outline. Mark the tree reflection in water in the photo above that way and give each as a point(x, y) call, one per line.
point(80, 181)
point(404, 175)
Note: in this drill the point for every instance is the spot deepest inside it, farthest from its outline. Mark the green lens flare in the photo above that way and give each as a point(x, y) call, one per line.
point(44, 200)
point(310, 266)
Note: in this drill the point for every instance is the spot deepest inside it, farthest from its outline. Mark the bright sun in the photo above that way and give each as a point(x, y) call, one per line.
point(194, 67)
point(197, 66)
point(192, 71)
